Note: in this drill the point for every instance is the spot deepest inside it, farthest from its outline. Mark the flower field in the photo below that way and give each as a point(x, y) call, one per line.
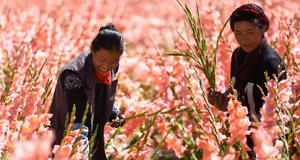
point(162, 96)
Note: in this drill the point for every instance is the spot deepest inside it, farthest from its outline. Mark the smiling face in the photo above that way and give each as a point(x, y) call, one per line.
point(105, 60)
point(248, 35)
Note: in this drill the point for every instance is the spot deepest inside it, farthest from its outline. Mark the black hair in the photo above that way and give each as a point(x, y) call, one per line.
point(108, 38)
point(251, 13)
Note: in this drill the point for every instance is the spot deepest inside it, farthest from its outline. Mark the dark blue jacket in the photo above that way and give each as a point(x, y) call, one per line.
point(268, 62)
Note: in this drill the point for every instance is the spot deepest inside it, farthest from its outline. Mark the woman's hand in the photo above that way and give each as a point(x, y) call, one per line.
point(254, 119)
point(215, 97)
point(117, 122)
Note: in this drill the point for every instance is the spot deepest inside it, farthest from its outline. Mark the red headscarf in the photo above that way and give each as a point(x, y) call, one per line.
point(251, 9)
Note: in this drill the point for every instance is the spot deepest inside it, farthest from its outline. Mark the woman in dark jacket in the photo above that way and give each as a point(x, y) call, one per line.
point(89, 78)
point(249, 61)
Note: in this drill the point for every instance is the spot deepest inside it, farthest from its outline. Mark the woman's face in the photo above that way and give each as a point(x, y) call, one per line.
point(248, 35)
point(105, 60)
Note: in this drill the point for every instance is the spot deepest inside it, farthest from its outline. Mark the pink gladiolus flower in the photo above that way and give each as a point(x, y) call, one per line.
point(35, 149)
point(295, 157)
point(210, 149)
point(232, 154)
point(142, 153)
point(32, 123)
point(297, 140)
point(4, 127)
point(176, 144)
point(62, 151)
point(107, 130)
point(263, 145)
point(239, 123)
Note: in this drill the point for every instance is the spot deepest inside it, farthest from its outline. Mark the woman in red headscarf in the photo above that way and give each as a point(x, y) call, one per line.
point(249, 61)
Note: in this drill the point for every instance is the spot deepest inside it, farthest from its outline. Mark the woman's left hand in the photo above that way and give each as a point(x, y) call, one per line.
point(254, 119)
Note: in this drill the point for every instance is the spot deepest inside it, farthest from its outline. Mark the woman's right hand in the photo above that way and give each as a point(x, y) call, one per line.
point(215, 97)
point(117, 123)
